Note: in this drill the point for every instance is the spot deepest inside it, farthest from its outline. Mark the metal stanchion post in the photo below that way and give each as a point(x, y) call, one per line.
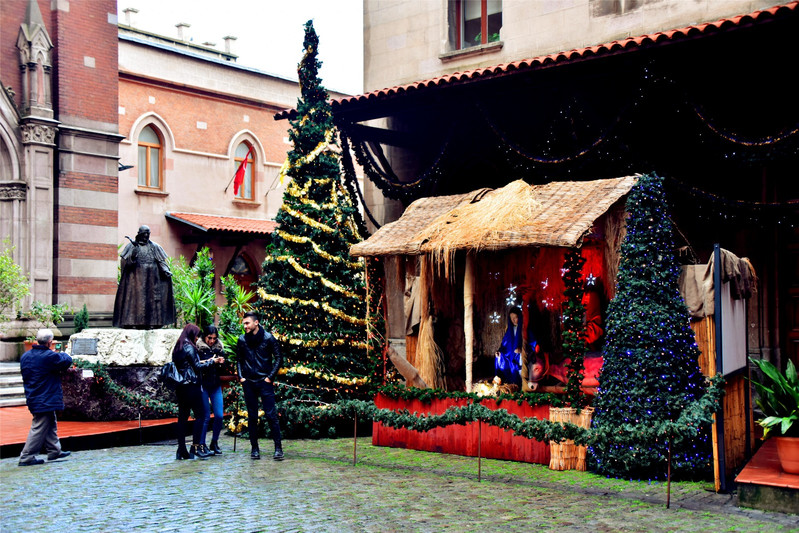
point(479, 451)
point(355, 442)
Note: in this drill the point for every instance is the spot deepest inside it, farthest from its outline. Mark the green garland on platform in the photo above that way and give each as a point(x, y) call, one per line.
point(400, 392)
point(685, 428)
point(126, 396)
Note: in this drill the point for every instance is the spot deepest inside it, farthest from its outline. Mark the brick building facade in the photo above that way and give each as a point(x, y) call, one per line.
point(101, 135)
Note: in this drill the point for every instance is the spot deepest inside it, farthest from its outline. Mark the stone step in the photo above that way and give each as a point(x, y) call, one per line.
point(10, 392)
point(10, 380)
point(12, 402)
point(9, 368)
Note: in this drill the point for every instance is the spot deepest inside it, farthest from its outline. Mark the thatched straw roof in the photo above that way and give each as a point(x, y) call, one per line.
point(554, 214)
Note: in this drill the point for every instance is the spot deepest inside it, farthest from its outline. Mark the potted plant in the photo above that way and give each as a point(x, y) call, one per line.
point(46, 316)
point(778, 398)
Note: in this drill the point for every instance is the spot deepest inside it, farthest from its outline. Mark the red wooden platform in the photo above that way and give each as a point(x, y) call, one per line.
point(15, 423)
point(495, 443)
point(763, 484)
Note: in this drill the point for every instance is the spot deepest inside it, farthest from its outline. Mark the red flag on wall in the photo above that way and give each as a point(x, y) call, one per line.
point(238, 179)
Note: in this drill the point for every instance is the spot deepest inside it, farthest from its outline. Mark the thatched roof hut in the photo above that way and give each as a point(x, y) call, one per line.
point(555, 214)
point(515, 217)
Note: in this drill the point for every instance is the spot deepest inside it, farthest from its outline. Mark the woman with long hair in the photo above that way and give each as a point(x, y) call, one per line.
point(210, 347)
point(189, 393)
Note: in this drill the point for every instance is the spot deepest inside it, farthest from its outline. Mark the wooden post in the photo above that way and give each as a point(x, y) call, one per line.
point(668, 479)
point(468, 320)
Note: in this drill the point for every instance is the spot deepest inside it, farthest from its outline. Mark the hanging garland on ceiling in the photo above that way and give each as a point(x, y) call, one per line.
point(351, 182)
point(515, 147)
point(730, 208)
point(735, 138)
point(386, 180)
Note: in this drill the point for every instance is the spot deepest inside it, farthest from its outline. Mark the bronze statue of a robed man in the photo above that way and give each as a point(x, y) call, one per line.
point(144, 297)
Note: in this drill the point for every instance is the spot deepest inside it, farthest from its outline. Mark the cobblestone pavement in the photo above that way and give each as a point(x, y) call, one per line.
point(317, 488)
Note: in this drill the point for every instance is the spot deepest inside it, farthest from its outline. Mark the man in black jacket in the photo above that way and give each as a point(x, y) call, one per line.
point(41, 370)
point(258, 360)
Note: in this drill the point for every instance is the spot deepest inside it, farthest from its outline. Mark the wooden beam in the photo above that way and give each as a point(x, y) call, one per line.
point(468, 317)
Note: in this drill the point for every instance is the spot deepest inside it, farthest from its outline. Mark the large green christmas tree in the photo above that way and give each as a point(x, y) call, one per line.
point(312, 293)
point(650, 375)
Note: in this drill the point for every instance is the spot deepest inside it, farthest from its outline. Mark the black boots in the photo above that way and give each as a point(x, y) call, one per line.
point(199, 450)
point(278, 452)
point(255, 453)
point(215, 448)
point(182, 453)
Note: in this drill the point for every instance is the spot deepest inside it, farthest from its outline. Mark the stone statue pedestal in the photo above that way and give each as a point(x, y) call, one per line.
point(124, 347)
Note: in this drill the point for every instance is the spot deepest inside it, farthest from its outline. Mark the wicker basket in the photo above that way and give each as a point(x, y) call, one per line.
point(565, 455)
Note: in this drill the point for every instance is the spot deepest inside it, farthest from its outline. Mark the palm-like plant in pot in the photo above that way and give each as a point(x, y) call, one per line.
point(778, 399)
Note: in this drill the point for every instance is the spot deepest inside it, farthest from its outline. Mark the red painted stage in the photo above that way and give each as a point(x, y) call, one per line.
point(495, 443)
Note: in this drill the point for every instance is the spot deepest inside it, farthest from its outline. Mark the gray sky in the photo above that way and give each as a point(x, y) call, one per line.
point(269, 32)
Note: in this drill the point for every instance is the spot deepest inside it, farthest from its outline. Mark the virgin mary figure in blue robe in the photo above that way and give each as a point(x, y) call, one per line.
point(508, 359)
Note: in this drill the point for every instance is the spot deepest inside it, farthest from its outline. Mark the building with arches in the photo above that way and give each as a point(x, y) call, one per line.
point(100, 136)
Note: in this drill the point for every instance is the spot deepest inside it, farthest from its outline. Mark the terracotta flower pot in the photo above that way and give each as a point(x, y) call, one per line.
point(788, 452)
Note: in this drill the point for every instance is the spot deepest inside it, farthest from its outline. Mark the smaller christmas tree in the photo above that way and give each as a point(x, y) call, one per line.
point(573, 327)
point(650, 375)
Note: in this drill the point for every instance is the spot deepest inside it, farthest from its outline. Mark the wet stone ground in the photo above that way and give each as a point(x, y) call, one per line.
point(318, 489)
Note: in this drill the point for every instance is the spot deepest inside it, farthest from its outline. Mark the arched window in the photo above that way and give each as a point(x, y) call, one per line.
point(243, 151)
point(150, 159)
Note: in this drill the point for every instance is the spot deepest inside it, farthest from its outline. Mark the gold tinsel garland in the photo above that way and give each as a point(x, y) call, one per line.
point(318, 249)
point(308, 220)
point(311, 274)
point(301, 194)
point(316, 343)
point(287, 166)
point(338, 313)
point(300, 369)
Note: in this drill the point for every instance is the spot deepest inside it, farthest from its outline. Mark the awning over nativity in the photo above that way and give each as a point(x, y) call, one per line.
point(517, 215)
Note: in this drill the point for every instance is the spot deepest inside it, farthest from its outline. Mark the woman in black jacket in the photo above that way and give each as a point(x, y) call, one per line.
point(189, 394)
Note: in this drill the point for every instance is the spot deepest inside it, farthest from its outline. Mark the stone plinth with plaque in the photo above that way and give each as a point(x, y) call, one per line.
point(124, 347)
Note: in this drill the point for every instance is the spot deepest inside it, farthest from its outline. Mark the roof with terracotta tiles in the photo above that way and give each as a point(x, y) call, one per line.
point(221, 223)
point(608, 49)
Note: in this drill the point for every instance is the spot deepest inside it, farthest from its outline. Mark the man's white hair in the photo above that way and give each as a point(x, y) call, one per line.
point(44, 336)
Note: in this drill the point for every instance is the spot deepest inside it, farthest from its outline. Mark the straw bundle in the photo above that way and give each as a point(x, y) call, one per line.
point(559, 452)
point(429, 356)
point(476, 224)
point(584, 421)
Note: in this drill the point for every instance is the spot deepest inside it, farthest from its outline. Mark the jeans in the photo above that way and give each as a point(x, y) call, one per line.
point(190, 398)
point(43, 434)
point(214, 394)
point(266, 391)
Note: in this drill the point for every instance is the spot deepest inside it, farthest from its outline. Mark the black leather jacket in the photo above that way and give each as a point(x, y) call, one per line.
point(210, 375)
point(188, 363)
point(258, 356)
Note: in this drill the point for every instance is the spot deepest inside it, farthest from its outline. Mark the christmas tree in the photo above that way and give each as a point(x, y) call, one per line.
point(312, 293)
point(650, 375)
